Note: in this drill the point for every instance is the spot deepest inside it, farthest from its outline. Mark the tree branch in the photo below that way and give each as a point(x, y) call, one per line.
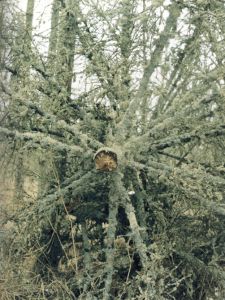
point(168, 32)
point(42, 140)
point(60, 125)
point(112, 220)
point(187, 137)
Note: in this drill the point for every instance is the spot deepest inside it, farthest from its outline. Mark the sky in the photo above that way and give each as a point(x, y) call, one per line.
point(41, 29)
point(40, 5)
point(41, 22)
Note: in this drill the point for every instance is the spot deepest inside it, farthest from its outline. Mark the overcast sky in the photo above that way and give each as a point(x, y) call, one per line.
point(41, 21)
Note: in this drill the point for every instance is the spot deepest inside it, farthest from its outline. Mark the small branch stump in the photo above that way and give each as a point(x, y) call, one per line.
point(105, 159)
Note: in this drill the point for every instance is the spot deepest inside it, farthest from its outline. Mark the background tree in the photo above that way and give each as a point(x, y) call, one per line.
point(138, 85)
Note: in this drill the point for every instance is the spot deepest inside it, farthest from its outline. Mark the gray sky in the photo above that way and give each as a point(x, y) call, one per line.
point(41, 21)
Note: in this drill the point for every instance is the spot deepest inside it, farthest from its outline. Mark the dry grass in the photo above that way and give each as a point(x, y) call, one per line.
point(14, 272)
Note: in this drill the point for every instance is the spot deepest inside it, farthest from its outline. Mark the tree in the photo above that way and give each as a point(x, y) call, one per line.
point(124, 118)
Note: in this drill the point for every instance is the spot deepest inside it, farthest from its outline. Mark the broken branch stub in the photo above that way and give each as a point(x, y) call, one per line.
point(105, 159)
